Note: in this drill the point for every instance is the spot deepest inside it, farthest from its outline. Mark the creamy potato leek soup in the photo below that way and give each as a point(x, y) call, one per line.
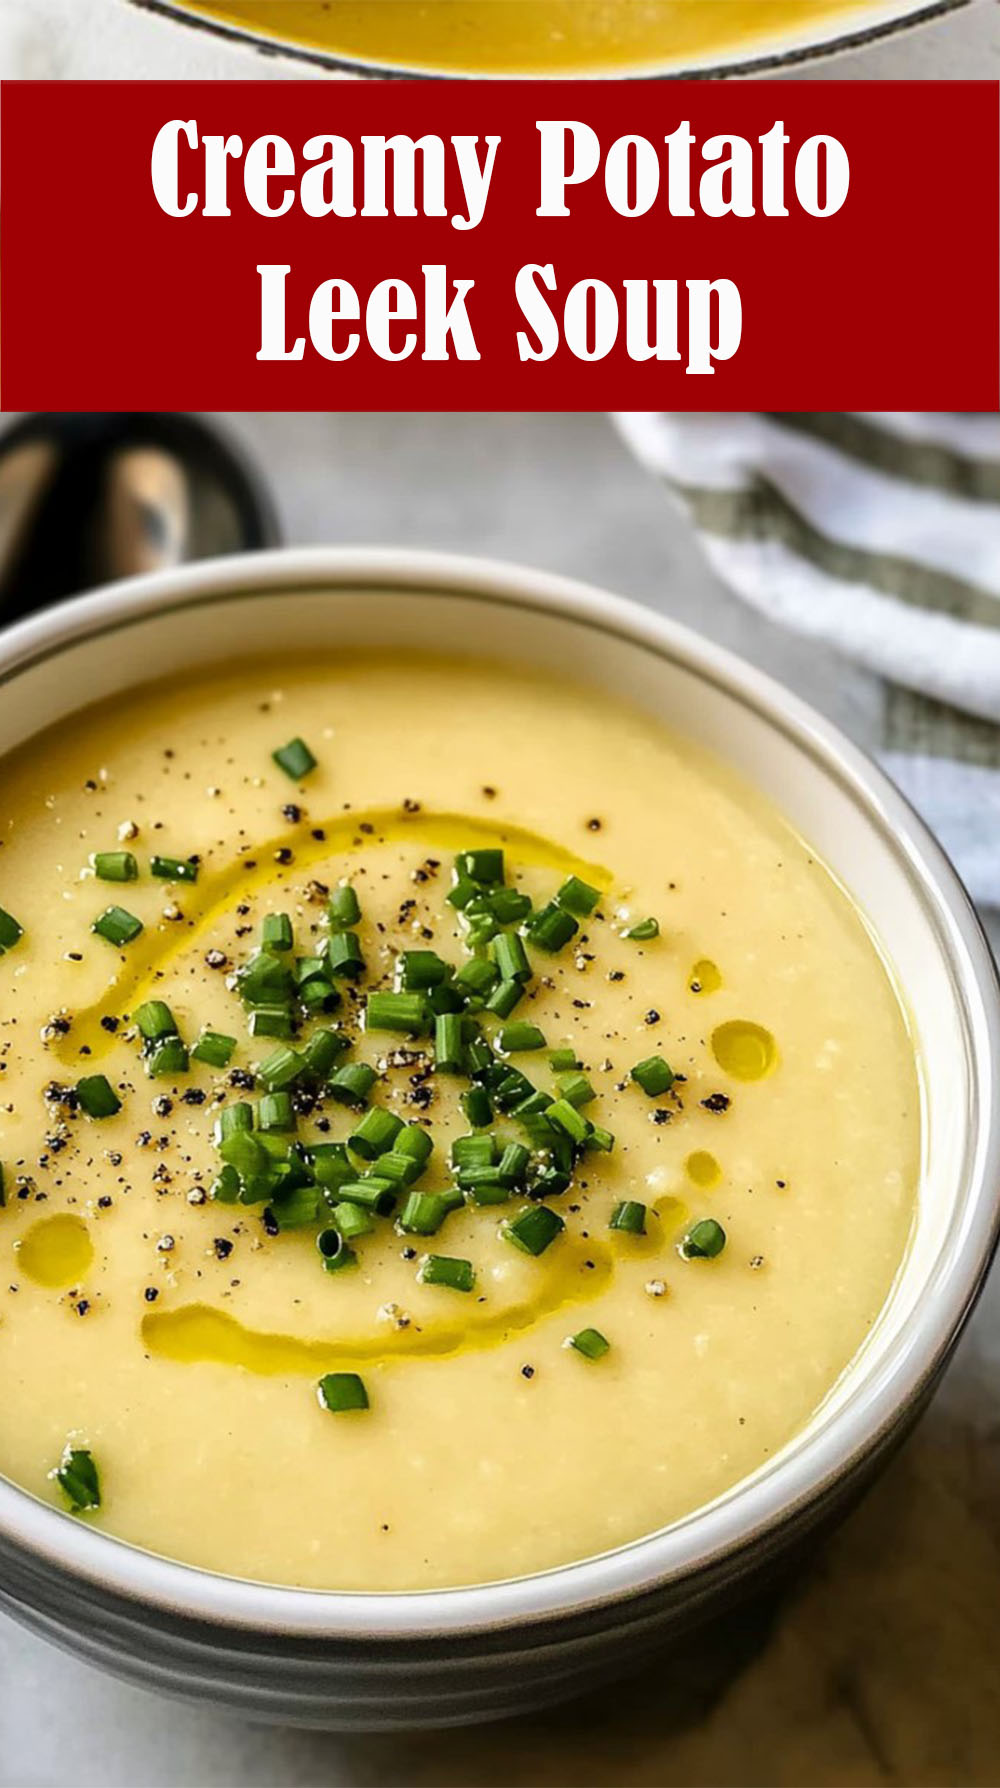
point(449, 1126)
point(533, 35)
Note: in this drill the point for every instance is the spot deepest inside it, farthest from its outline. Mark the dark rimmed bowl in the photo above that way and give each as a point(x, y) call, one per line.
point(365, 1661)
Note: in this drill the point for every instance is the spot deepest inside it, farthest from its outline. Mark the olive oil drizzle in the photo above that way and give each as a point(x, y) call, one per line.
point(213, 894)
point(56, 1251)
point(578, 1271)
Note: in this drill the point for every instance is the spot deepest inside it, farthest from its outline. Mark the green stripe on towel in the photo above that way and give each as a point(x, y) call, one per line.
point(761, 512)
point(926, 463)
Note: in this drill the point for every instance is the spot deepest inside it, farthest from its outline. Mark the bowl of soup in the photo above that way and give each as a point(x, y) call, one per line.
point(498, 1131)
point(555, 37)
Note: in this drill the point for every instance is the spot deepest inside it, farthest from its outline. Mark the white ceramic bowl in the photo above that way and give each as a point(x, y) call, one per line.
point(778, 48)
point(398, 1660)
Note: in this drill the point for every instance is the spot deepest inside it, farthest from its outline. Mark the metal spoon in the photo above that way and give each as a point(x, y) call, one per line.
point(88, 499)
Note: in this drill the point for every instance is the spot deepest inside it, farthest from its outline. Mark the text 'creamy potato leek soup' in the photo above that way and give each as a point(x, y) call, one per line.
point(539, 35)
point(449, 1128)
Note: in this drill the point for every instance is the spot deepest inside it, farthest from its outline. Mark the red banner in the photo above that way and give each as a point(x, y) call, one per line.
point(510, 245)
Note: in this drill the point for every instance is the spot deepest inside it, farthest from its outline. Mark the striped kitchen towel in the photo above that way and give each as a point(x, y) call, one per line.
point(877, 534)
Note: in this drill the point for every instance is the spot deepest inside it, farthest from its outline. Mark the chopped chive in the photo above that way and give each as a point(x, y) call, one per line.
point(473, 1151)
point(477, 1104)
point(630, 1216)
point(561, 1149)
point(399, 1169)
point(476, 977)
point(405, 1012)
point(562, 1059)
point(578, 897)
point(319, 996)
point(533, 1229)
point(590, 1342)
point(270, 1021)
point(653, 1075)
point(481, 930)
point(308, 968)
point(479, 1058)
point(372, 1194)
point(117, 926)
point(576, 1088)
point(550, 1182)
point(512, 1090)
point(78, 1479)
point(295, 759)
point(225, 1188)
point(418, 970)
point(296, 1208)
point(641, 933)
point(445, 998)
point(97, 1097)
point(510, 957)
point(487, 1191)
point(533, 1106)
point(330, 1242)
point(329, 1166)
point(462, 892)
point(276, 932)
point(281, 1069)
point(155, 1020)
point(415, 1143)
point(173, 869)
point(279, 1149)
point(169, 1056)
point(344, 908)
point(704, 1241)
point(333, 1250)
point(552, 927)
point(265, 981)
point(340, 1391)
point(10, 931)
point(376, 1133)
point(322, 1050)
point(599, 1138)
point(439, 1269)
point(423, 1213)
point(449, 1046)
point(482, 866)
point(244, 1151)
point(520, 1036)
point(233, 1118)
point(569, 1120)
point(352, 1083)
point(115, 866)
point(275, 1112)
point(508, 906)
point(345, 1257)
point(214, 1048)
point(513, 1164)
point(352, 1220)
point(476, 1174)
point(505, 996)
point(485, 1186)
point(537, 1128)
point(328, 1151)
point(477, 1107)
point(343, 955)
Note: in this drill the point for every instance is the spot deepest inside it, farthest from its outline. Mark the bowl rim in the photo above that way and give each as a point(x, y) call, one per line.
point(751, 1514)
point(885, 18)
